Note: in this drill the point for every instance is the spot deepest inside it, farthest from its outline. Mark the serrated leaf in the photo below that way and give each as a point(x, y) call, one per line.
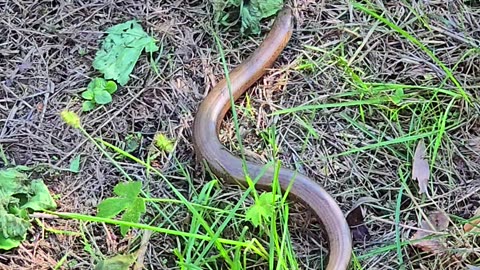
point(263, 209)
point(121, 49)
point(127, 201)
point(111, 87)
point(128, 189)
point(88, 106)
point(87, 95)
point(75, 164)
point(103, 97)
point(111, 207)
point(133, 213)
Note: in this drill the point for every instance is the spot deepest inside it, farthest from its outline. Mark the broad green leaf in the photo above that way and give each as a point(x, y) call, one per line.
point(118, 262)
point(111, 87)
point(103, 97)
point(12, 226)
point(88, 94)
point(121, 49)
point(41, 199)
point(133, 213)
point(88, 106)
point(18, 195)
point(255, 10)
point(127, 201)
point(11, 182)
point(128, 189)
point(111, 207)
point(75, 164)
point(263, 209)
point(9, 243)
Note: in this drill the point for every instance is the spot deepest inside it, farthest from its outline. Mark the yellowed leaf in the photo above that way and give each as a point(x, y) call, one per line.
point(421, 169)
point(439, 221)
point(474, 223)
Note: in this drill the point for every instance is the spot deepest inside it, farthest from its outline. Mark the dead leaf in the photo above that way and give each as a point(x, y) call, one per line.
point(474, 223)
point(355, 220)
point(438, 221)
point(421, 169)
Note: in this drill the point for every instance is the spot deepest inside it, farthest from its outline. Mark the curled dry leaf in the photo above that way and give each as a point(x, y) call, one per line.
point(421, 169)
point(474, 223)
point(355, 220)
point(437, 221)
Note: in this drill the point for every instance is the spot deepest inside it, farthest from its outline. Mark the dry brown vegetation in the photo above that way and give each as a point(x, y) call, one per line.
point(46, 51)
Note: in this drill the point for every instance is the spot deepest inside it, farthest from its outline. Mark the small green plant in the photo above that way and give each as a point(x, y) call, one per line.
point(121, 49)
point(263, 209)
point(20, 196)
point(127, 200)
point(251, 12)
point(163, 143)
point(99, 91)
point(116, 59)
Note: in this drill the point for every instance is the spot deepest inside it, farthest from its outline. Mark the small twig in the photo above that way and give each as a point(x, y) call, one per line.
point(142, 250)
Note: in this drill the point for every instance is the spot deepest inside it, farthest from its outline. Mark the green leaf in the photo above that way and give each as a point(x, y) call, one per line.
point(12, 226)
point(128, 189)
point(111, 207)
point(127, 201)
point(255, 10)
point(97, 84)
point(399, 96)
point(121, 49)
point(75, 164)
point(118, 262)
point(18, 194)
point(88, 106)
point(263, 209)
point(41, 199)
point(9, 243)
point(11, 182)
point(88, 94)
point(133, 214)
point(132, 142)
point(111, 87)
point(103, 97)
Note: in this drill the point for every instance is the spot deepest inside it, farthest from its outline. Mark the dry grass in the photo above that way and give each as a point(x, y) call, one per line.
point(46, 51)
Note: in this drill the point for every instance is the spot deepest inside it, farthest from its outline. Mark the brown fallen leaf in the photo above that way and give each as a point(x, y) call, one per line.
point(439, 221)
point(355, 220)
point(421, 169)
point(474, 223)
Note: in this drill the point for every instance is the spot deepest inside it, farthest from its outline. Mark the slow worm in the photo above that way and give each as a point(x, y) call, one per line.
point(228, 167)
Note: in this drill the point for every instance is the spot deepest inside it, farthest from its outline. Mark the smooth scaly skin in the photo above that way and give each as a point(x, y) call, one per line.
point(229, 167)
